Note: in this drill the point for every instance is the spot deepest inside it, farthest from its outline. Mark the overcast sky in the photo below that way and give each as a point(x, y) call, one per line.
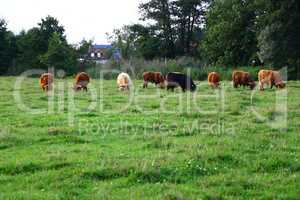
point(89, 19)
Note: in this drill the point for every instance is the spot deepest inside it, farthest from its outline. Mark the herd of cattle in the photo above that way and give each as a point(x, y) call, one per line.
point(174, 79)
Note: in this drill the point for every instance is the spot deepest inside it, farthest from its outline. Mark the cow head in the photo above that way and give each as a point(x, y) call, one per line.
point(163, 84)
point(47, 87)
point(193, 87)
point(252, 85)
point(281, 85)
point(77, 87)
point(124, 88)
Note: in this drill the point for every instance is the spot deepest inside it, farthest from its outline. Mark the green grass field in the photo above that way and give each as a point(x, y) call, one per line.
point(162, 146)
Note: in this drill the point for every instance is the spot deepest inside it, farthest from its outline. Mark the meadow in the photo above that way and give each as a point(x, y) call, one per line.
point(149, 144)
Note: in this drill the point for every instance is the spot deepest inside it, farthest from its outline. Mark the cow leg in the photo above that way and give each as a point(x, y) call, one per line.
point(170, 88)
point(270, 83)
point(261, 85)
point(145, 85)
point(161, 86)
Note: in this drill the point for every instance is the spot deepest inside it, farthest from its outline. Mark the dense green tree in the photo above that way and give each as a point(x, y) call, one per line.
point(188, 18)
point(28, 45)
point(230, 36)
point(7, 48)
point(279, 33)
point(47, 27)
point(83, 48)
point(137, 41)
point(160, 12)
point(145, 42)
point(59, 55)
point(3, 46)
point(238, 32)
point(34, 43)
point(176, 30)
point(149, 47)
point(123, 39)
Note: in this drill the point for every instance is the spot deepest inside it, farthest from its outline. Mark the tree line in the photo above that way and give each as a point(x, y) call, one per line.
point(216, 32)
point(219, 32)
point(41, 47)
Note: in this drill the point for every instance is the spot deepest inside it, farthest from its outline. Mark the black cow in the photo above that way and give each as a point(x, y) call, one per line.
point(180, 80)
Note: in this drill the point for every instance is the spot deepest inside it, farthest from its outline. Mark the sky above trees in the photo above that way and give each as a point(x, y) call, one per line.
point(89, 19)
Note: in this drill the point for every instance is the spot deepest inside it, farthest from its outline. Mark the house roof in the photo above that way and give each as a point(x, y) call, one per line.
point(102, 46)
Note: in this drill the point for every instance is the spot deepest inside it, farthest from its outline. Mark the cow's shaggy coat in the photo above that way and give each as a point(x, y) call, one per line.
point(46, 81)
point(271, 78)
point(180, 80)
point(82, 80)
point(124, 82)
point(154, 77)
point(214, 79)
point(241, 78)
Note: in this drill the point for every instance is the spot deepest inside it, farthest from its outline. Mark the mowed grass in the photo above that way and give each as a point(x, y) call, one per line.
point(151, 144)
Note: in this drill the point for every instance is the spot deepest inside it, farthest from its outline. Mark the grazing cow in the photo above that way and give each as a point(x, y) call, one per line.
point(177, 79)
point(154, 77)
point(46, 81)
point(272, 78)
point(241, 78)
point(81, 81)
point(214, 79)
point(124, 82)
